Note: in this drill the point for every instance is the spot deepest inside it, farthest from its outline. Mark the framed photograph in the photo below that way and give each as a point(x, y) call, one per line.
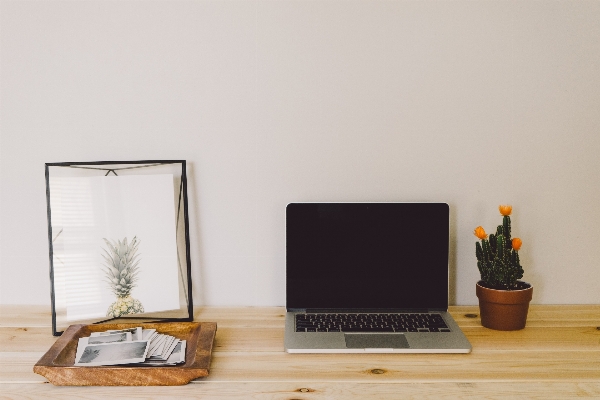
point(119, 242)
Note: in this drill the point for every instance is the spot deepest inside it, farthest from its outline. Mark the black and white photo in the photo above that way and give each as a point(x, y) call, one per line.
point(112, 354)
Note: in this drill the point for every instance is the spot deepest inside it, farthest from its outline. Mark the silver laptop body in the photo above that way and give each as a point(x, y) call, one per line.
point(369, 278)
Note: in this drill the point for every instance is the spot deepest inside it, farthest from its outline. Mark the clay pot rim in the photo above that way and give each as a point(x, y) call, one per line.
point(503, 290)
point(519, 296)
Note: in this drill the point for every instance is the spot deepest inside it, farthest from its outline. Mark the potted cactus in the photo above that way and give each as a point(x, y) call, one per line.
point(503, 298)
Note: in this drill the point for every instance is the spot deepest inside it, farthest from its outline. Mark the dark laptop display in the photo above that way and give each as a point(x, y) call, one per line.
point(367, 256)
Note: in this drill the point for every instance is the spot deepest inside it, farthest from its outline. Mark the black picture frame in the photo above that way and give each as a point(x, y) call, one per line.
point(96, 168)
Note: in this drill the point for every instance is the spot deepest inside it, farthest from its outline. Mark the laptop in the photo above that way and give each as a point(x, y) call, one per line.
point(369, 278)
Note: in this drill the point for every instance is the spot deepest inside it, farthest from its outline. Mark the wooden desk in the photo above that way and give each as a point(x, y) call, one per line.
point(556, 356)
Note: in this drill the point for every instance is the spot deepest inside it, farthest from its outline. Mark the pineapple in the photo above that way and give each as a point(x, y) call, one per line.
point(121, 269)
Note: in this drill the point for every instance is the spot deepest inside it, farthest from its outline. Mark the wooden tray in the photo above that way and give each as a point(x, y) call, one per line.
point(57, 364)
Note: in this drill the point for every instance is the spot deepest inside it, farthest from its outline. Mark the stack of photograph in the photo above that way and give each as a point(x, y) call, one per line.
point(142, 347)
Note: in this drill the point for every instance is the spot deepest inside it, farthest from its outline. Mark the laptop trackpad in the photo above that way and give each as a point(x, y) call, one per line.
point(376, 341)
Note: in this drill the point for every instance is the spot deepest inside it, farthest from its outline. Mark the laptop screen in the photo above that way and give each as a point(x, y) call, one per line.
point(367, 256)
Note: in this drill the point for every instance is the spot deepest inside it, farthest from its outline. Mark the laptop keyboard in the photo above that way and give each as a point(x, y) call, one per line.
point(418, 322)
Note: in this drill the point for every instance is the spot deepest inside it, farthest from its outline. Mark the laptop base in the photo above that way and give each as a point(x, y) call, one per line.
point(409, 342)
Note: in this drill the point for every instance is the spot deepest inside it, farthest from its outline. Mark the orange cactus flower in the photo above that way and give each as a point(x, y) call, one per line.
point(480, 233)
point(516, 244)
point(505, 210)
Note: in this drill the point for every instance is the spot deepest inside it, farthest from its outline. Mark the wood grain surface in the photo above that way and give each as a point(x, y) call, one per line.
point(556, 356)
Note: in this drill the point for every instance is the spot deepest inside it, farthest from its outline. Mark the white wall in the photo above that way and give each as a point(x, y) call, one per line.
point(472, 103)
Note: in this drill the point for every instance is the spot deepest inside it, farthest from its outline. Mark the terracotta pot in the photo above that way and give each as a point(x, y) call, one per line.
point(503, 310)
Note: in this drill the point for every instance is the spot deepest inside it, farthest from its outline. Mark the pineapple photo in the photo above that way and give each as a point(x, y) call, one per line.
point(121, 269)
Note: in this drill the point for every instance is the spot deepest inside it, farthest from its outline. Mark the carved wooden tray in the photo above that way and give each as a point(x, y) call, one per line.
point(57, 364)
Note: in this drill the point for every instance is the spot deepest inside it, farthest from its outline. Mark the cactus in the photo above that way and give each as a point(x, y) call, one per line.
point(497, 260)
